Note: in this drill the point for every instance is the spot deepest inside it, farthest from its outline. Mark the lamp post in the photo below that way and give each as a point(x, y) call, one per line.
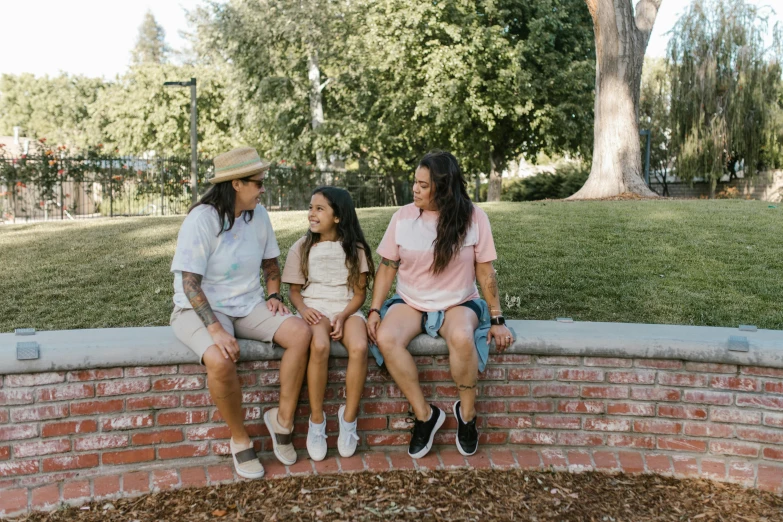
point(193, 138)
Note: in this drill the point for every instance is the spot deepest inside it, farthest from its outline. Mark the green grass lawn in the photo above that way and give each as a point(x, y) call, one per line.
point(715, 263)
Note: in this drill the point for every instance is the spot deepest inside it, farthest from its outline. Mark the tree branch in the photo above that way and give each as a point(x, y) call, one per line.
point(646, 12)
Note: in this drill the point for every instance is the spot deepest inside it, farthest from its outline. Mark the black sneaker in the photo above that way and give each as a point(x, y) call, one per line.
point(467, 434)
point(424, 432)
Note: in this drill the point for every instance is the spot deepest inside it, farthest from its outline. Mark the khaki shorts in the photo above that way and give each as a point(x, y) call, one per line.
point(260, 325)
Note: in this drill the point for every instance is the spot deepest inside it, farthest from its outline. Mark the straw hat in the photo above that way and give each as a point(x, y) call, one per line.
point(236, 164)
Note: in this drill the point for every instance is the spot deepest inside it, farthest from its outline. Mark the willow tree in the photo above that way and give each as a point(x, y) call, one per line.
point(726, 79)
point(621, 37)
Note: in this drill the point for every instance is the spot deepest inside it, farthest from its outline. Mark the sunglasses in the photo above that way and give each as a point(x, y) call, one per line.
point(258, 182)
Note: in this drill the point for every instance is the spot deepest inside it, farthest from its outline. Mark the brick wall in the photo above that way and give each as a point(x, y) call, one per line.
point(62, 431)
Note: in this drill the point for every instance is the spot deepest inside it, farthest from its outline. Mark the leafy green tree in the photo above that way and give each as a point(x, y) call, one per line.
point(726, 88)
point(151, 43)
point(655, 116)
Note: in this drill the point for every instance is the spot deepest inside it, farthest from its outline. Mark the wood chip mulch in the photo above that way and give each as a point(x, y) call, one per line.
point(444, 495)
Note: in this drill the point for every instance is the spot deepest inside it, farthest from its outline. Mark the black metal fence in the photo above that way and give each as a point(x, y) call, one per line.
point(52, 188)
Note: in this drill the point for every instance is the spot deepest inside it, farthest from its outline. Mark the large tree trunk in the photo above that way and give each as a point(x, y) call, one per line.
point(316, 105)
point(495, 180)
point(620, 43)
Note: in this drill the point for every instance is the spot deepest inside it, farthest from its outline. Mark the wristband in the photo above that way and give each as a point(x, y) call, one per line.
point(274, 296)
point(373, 310)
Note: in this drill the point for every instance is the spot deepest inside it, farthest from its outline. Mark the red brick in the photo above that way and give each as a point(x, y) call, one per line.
point(22, 431)
point(677, 444)
point(747, 384)
point(497, 437)
point(12, 397)
point(45, 497)
point(70, 462)
point(208, 432)
point(568, 374)
point(568, 438)
point(529, 406)
point(760, 435)
point(554, 458)
point(429, 461)
point(713, 469)
point(371, 423)
point(434, 375)
point(258, 365)
point(605, 392)
point(557, 422)
point(660, 364)
point(352, 463)
point(682, 412)
point(718, 398)
point(655, 394)
point(402, 439)
point(19, 467)
point(558, 360)
point(152, 402)
point(742, 473)
point(682, 379)
point(96, 407)
point(124, 387)
point(13, 501)
point(401, 460)
point(116, 458)
point(100, 442)
point(273, 378)
point(579, 460)
point(94, 375)
point(385, 407)
point(506, 390)
point(376, 461)
point(127, 422)
point(594, 407)
point(734, 448)
point(193, 477)
point(34, 379)
point(608, 362)
point(631, 377)
point(76, 490)
point(183, 451)
point(37, 413)
point(760, 401)
point(532, 437)
point(735, 416)
point(451, 458)
point(508, 422)
point(179, 383)
point(772, 453)
point(137, 482)
point(772, 387)
point(35, 449)
point(657, 426)
point(761, 371)
point(685, 466)
point(4, 416)
point(631, 408)
point(555, 390)
point(631, 461)
point(710, 367)
point(182, 417)
point(705, 429)
point(5, 452)
point(607, 424)
point(772, 419)
point(502, 458)
point(57, 429)
point(770, 478)
point(106, 486)
point(65, 392)
point(147, 371)
point(164, 479)
point(204, 399)
point(157, 437)
point(659, 464)
point(605, 460)
point(531, 374)
point(510, 359)
point(630, 441)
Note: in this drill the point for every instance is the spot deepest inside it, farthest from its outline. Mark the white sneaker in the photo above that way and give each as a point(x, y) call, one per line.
point(316, 441)
point(347, 440)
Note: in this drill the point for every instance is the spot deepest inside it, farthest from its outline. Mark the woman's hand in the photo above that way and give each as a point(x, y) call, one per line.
point(502, 336)
point(225, 342)
point(373, 322)
point(337, 327)
point(311, 315)
point(275, 305)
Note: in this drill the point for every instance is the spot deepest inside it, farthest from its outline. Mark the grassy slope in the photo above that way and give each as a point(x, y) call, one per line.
point(679, 262)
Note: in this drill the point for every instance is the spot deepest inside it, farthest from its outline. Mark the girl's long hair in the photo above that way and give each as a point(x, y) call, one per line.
point(349, 233)
point(455, 210)
point(222, 197)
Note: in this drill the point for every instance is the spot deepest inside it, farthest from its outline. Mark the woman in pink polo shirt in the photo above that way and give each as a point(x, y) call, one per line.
point(437, 248)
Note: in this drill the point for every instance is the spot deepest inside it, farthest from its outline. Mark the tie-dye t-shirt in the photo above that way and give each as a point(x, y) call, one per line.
point(410, 238)
point(230, 263)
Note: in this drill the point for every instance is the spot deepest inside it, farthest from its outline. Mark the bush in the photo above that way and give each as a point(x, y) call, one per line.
point(566, 180)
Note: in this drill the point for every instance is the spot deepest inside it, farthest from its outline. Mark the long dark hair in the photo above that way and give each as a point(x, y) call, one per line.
point(349, 233)
point(222, 197)
point(455, 210)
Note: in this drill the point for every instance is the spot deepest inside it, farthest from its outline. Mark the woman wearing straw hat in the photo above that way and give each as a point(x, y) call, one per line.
point(224, 243)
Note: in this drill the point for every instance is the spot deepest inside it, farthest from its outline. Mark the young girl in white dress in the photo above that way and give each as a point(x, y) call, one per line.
point(328, 271)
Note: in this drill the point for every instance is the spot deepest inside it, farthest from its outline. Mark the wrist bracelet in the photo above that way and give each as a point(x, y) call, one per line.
point(373, 310)
point(274, 295)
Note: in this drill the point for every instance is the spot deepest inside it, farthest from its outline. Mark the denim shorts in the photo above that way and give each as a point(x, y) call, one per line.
point(469, 304)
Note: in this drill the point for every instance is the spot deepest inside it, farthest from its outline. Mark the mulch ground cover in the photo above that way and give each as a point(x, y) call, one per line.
point(444, 495)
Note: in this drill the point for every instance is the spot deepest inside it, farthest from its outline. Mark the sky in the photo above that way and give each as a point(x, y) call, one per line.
point(95, 37)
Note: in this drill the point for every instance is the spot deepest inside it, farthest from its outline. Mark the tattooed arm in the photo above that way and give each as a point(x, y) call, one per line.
point(384, 278)
point(271, 271)
point(488, 281)
point(226, 343)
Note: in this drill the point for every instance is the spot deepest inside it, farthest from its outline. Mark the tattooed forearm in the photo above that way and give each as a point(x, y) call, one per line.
point(191, 283)
point(463, 387)
point(492, 284)
point(392, 264)
point(271, 270)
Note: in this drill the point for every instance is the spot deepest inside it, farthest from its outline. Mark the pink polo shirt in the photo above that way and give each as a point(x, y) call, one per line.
point(410, 238)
